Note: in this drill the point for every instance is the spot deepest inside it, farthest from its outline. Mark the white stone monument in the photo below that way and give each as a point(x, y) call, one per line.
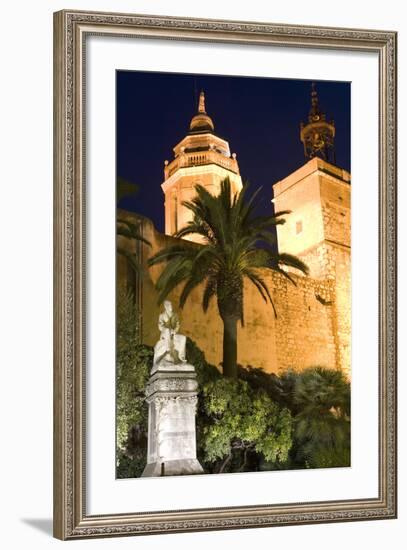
point(172, 399)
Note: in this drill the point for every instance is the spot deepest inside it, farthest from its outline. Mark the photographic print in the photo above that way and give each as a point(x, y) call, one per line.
point(215, 311)
point(233, 274)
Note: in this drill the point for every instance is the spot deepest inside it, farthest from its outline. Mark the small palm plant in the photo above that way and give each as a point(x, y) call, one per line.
point(321, 399)
point(236, 244)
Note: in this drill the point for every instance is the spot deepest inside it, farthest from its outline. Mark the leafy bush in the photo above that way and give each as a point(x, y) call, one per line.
point(319, 401)
point(258, 379)
point(133, 365)
point(131, 466)
point(322, 423)
point(132, 413)
point(205, 372)
point(239, 423)
point(260, 421)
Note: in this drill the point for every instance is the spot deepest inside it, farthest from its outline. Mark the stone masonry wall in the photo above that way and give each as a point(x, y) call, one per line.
point(331, 263)
point(305, 323)
point(303, 334)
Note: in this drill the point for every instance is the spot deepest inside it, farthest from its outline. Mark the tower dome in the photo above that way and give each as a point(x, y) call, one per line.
point(201, 122)
point(200, 158)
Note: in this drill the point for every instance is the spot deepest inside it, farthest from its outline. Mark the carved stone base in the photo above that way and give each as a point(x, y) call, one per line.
point(166, 366)
point(172, 400)
point(186, 466)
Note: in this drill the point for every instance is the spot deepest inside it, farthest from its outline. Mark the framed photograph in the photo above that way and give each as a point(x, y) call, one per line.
point(225, 274)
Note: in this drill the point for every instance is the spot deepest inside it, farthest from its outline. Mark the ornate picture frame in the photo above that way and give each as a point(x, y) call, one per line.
point(71, 30)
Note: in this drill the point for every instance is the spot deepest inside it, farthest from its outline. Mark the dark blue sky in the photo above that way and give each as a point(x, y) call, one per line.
point(260, 118)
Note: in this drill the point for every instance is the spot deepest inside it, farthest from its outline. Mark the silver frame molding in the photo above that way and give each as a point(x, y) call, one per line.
point(70, 31)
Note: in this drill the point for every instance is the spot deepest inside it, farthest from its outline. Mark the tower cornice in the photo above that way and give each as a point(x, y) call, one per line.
point(313, 166)
point(200, 158)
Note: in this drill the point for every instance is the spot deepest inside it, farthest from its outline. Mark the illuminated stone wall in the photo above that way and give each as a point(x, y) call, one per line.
point(312, 327)
point(319, 231)
point(303, 334)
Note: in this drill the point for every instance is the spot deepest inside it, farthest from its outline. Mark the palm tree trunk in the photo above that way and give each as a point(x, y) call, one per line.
point(230, 346)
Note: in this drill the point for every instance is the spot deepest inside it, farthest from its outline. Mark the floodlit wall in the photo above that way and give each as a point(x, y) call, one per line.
point(303, 334)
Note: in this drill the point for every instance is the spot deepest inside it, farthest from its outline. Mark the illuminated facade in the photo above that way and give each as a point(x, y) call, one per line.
point(200, 158)
point(313, 323)
point(319, 232)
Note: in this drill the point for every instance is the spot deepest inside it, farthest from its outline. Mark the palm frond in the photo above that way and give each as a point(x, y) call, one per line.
point(209, 292)
point(285, 274)
point(172, 276)
point(192, 282)
point(131, 258)
point(195, 227)
point(237, 243)
point(262, 287)
point(184, 249)
point(292, 261)
point(125, 188)
point(130, 230)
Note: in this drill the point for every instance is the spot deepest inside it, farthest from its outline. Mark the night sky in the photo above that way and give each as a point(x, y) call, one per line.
point(259, 117)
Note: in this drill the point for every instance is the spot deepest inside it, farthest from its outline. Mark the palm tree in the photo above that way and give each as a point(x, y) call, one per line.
point(126, 228)
point(236, 244)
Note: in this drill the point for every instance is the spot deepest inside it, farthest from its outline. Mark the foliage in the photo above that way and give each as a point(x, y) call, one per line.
point(259, 379)
point(325, 390)
point(260, 421)
point(241, 421)
point(131, 232)
point(205, 372)
point(322, 423)
point(319, 400)
point(128, 229)
point(236, 244)
point(131, 465)
point(125, 188)
point(133, 364)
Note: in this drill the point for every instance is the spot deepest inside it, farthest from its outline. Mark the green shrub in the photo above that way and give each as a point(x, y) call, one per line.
point(322, 422)
point(131, 465)
point(319, 400)
point(133, 365)
point(238, 424)
point(205, 372)
point(260, 421)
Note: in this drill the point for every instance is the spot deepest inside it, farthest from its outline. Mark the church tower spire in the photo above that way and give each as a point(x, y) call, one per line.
point(203, 158)
point(201, 106)
point(201, 122)
point(318, 134)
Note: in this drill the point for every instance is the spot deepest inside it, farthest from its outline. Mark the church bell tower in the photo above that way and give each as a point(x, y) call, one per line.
point(318, 228)
point(201, 158)
point(318, 134)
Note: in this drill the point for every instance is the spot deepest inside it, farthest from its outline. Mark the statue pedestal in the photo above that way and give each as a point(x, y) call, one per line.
point(172, 398)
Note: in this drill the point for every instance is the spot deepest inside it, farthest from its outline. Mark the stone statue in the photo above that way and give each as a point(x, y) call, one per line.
point(170, 348)
point(171, 394)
